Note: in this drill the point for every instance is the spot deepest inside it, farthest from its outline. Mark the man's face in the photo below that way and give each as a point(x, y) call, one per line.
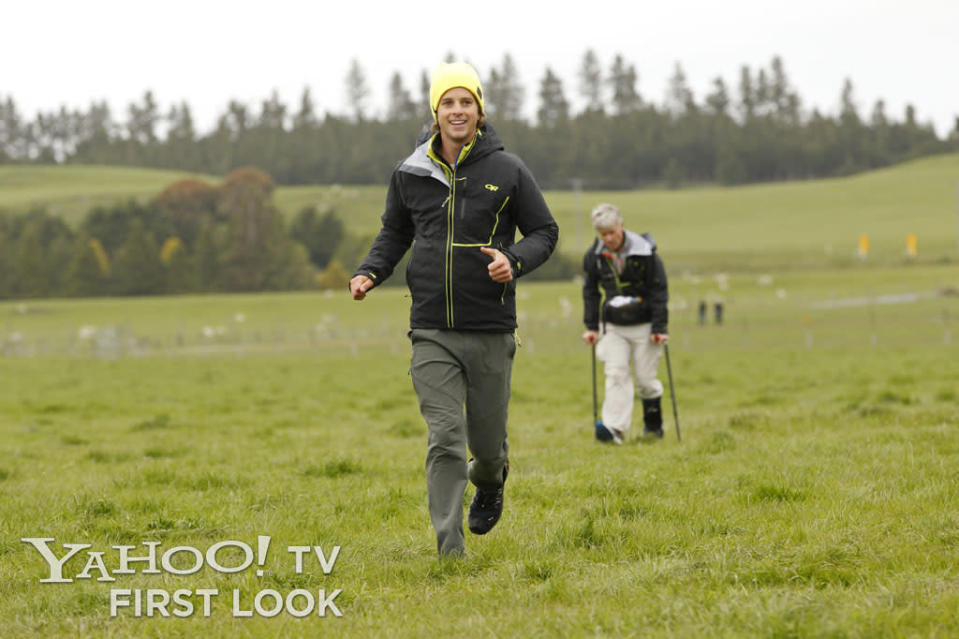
point(457, 115)
point(612, 237)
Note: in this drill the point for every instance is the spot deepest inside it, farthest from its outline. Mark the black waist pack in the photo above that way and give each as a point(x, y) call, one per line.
point(625, 311)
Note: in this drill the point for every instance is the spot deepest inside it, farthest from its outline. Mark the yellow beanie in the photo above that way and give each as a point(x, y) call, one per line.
point(452, 75)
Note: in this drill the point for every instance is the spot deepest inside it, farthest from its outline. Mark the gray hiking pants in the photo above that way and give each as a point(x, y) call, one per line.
point(462, 382)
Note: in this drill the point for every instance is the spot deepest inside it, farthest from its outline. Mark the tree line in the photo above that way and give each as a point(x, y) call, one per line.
point(754, 131)
point(192, 237)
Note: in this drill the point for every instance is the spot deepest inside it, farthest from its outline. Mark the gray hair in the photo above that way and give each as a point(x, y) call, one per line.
point(606, 216)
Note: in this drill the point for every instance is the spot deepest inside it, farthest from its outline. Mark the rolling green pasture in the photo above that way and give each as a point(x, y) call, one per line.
point(781, 226)
point(813, 492)
point(71, 191)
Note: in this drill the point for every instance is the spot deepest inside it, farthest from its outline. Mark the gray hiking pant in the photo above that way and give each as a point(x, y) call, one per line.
point(462, 382)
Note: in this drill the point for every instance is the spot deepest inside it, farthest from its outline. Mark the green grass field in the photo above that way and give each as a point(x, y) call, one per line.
point(812, 495)
point(813, 492)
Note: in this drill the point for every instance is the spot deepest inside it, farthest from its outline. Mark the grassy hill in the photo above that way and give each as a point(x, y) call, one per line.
point(70, 191)
point(781, 225)
point(778, 225)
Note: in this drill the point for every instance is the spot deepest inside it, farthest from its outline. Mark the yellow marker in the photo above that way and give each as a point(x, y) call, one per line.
point(863, 246)
point(912, 249)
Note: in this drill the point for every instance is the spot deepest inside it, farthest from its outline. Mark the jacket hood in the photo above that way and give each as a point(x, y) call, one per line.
point(485, 142)
point(635, 244)
point(426, 133)
point(420, 163)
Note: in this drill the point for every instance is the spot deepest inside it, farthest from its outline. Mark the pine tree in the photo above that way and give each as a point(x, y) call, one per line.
point(320, 234)
point(181, 151)
point(848, 112)
point(747, 94)
point(11, 131)
point(591, 81)
point(272, 113)
point(718, 99)
point(29, 272)
point(88, 273)
point(206, 258)
point(424, 97)
point(554, 108)
point(622, 81)
point(679, 99)
point(137, 269)
point(763, 104)
point(510, 95)
point(143, 119)
point(401, 107)
point(784, 99)
point(305, 117)
point(357, 91)
point(180, 124)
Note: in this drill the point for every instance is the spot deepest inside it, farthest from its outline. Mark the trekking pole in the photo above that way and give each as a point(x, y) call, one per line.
point(672, 389)
point(593, 350)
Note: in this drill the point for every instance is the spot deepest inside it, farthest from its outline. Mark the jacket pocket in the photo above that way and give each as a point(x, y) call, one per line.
point(479, 218)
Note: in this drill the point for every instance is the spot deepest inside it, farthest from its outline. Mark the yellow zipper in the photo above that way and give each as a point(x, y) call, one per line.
point(451, 210)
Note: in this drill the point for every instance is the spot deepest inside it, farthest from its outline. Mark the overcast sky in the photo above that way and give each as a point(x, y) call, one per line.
point(208, 52)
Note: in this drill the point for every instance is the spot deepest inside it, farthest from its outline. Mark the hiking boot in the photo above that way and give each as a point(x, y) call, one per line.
point(486, 507)
point(652, 418)
point(606, 434)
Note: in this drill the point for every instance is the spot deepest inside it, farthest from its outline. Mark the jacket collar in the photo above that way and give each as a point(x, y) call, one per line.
point(425, 161)
point(633, 244)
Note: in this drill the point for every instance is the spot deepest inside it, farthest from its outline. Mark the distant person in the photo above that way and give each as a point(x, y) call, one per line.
point(702, 313)
point(624, 272)
point(458, 199)
point(718, 313)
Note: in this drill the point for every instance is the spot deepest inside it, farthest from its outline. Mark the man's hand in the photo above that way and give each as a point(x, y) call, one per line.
point(591, 337)
point(659, 338)
point(359, 285)
point(499, 269)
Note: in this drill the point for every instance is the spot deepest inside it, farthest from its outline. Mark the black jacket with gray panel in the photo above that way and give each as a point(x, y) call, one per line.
point(448, 213)
point(643, 276)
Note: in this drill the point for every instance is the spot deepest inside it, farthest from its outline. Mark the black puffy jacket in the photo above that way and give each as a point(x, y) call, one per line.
point(448, 214)
point(643, 276)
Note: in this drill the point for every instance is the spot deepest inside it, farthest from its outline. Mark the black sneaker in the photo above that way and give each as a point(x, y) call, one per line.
point(650, 433)
point(486, 507)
